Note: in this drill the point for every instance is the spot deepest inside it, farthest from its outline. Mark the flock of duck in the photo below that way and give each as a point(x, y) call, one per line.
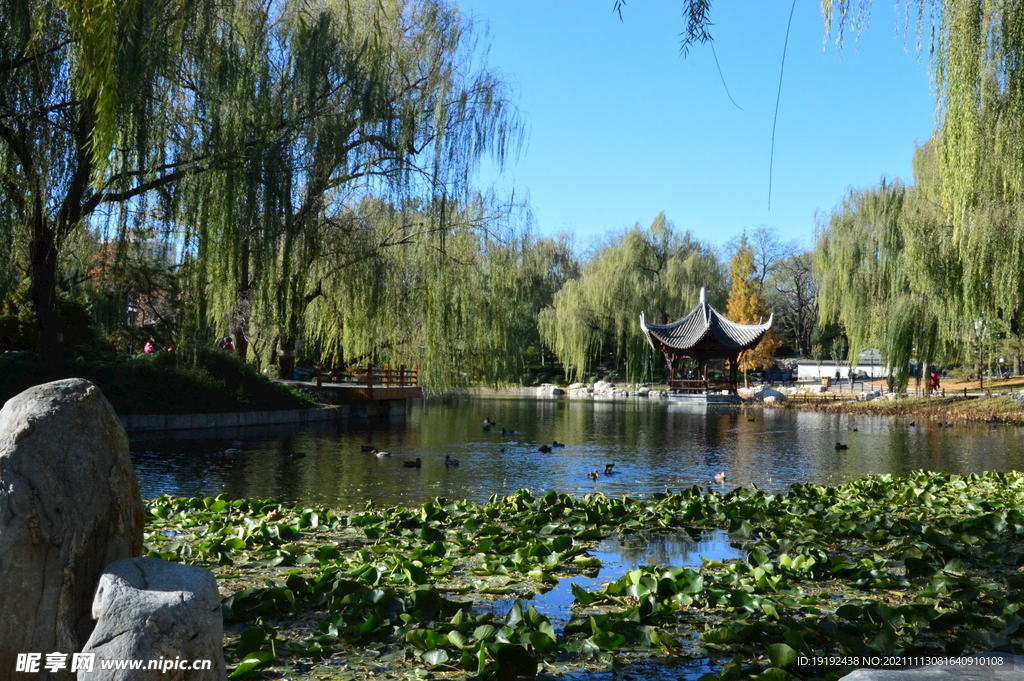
point(237, 447)
point(488, 424)
point(449, 462)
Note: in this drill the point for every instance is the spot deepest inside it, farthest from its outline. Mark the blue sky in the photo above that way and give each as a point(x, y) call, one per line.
point(620, 126)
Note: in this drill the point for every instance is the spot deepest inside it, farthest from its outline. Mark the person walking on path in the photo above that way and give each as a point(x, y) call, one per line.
point(149, 349)
point(227, 346)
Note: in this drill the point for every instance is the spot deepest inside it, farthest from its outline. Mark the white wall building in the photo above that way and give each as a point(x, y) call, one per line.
point(869, 363)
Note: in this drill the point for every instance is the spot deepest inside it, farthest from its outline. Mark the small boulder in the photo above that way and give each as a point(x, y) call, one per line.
point(151, 609)
point(1020, 399)
point(548, 390)
point(69, 506)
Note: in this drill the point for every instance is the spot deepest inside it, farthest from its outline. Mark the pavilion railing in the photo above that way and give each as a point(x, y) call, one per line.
point(370, 375)
point(698, 386)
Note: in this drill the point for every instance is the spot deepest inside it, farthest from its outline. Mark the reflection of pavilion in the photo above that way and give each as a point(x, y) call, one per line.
point(703, 335)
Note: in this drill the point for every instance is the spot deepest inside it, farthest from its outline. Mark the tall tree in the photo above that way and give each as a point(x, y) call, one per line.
point(373, 99)
point(97, 108)
point(793, 295)
point(747, 306)
point(887, 275)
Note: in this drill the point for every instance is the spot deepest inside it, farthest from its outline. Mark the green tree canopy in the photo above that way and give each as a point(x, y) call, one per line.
point(657, 271)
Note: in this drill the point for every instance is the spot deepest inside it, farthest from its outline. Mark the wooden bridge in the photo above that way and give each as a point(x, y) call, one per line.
point(363, 383)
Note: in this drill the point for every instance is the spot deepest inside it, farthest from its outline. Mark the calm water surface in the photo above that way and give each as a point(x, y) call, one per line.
point(654, 445)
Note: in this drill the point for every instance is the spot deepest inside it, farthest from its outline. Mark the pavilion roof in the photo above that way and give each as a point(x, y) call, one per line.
point(704, 334)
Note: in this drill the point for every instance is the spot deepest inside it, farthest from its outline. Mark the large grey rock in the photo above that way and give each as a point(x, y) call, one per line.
point(1020, 399)
point(990, 666)
point(69, 506)
point(770, 395)
point(150, 609)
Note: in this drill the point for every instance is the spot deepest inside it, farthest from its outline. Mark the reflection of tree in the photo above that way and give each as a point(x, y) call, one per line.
point(665, 548)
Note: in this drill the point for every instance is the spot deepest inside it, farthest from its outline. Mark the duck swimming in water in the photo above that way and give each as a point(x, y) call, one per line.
point(608, 468)
point(379, 454)
point(450, 462)
point(840, 446)
point(593, 475)
point(413, 464)
point(556, 443)
point(720, 477)
point(544, 449)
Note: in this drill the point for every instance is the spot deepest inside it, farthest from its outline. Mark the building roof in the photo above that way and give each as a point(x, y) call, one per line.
point(704, 334)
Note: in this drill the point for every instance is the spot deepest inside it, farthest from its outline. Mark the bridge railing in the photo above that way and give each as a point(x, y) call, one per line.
point(371, 375)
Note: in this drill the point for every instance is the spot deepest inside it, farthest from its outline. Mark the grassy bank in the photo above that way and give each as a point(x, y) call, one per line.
point(160, 384)
point(926, 565)
point(946, 409)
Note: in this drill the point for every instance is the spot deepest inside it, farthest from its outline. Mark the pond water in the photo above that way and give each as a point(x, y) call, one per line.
point(654, 445)
point(619, 555)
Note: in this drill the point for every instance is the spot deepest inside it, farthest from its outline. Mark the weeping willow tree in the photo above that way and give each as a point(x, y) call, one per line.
point(97, 115)
point(657, 271)
point(975, 183)
point(453, 288)
point(887, 271)
point(372, 99)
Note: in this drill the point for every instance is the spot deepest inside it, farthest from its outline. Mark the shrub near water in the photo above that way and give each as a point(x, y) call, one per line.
point(926, 565)
point(160, 384)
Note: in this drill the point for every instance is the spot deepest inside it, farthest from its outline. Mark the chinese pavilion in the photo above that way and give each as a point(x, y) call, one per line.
point(703, 335)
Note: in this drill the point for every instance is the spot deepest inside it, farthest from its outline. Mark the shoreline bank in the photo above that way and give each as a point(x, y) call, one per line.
point(1002, 409)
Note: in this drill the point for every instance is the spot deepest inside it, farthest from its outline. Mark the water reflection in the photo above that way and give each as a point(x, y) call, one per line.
point(662, 548)
point(653, 445)
point(618, 555)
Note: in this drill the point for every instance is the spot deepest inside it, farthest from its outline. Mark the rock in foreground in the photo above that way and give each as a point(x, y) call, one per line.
point(150, 609)
point(69, 506)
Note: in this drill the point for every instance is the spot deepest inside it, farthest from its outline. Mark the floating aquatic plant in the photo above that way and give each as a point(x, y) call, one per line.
point(923, 565)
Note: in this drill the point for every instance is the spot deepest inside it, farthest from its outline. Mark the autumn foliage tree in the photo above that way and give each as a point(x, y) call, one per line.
point(747, 306)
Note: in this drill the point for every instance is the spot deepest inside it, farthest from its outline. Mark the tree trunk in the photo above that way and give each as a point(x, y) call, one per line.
point(242, 303)
point(43, 293)
point(286, 364)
